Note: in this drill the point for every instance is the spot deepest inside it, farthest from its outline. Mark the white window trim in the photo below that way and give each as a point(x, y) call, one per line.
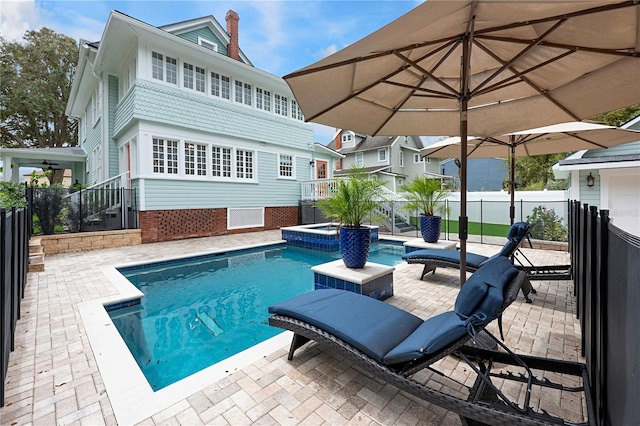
point(386, 155)
point(401, 158)
point(293, 167)
point(359, 159)
point(182, 173)
point(209, 42)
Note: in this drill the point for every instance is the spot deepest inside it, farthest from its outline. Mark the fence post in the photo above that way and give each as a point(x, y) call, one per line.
point(481, 223)
point(5, 310)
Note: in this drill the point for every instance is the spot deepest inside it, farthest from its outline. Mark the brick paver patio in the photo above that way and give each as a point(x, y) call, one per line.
point(54, 377)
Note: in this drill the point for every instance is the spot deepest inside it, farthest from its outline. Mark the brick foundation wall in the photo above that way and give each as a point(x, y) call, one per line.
point(168, 225)
point(83, 241)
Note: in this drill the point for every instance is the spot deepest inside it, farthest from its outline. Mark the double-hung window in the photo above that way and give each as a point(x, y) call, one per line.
point(187, 75)
point(296, 112)
point(221, 161)
point(157, 69)
point(243, 93)
point(165, 156)
point(220, 85)
point(263, 99)
point(244, 164)
point(164, 68)
point(285, 169)
point(195, 159)
point(359, 159)
point(382, 155)
point(281, 105)
point(200, 79)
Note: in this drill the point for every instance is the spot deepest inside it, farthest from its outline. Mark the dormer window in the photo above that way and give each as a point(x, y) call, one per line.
point(207, 44)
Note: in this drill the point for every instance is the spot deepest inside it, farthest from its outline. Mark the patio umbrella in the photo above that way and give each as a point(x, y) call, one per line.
point(563, 137)
point(480, 68)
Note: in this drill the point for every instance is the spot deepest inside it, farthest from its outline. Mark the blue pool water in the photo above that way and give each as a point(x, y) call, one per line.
point(198, 311)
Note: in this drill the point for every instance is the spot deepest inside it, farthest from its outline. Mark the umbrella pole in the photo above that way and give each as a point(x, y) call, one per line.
point(464, 106)
point(512, 178)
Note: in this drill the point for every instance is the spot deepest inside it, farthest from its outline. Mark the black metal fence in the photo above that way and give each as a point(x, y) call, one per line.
point(14, 265)
point(607, 288)
point(550, 218)
point(85, 210)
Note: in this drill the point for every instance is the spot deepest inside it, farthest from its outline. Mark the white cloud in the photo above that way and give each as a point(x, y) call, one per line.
point(322, 134)
point(17, 17)
point(327, 51)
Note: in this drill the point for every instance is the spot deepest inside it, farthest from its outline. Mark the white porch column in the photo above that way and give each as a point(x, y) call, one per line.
point(9, 173)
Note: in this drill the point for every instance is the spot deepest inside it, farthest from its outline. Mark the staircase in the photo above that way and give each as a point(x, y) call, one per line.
point(36, 255)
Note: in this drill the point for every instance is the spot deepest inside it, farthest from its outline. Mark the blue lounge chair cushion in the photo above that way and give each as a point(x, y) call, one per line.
point(452, 256)
point(433, 335)
point(372, 326)
point(483, 292)
point(478, 303)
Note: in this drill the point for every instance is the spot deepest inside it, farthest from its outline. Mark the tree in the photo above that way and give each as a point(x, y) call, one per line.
point(535, 173)
point(36, 82)
point(618, 117)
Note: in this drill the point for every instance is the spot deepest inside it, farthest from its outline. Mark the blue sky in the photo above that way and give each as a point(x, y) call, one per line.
point(277, 36)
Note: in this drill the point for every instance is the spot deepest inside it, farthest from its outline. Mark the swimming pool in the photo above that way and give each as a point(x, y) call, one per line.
point(201, 310)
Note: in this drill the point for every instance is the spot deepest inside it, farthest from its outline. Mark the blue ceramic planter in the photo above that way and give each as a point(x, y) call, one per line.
point(430, 228)
point(354, 246)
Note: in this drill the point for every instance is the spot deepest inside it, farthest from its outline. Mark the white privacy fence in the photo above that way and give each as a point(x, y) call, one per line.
point(493, 207)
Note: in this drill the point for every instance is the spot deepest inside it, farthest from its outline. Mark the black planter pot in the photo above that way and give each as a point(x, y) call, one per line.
point(354, 246)
point(430, 228)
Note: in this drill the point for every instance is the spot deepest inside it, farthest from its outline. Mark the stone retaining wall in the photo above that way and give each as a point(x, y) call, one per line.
point(82, 241)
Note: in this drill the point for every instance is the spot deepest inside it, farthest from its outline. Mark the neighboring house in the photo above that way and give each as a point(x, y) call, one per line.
point(483, 174)
point(393, 159)
point(212, 144)
point(608, 179)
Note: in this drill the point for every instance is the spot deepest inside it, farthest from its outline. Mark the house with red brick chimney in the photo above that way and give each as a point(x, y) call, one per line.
point(211, 144)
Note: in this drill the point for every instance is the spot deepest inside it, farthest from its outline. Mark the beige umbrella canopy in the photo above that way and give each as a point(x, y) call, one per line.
point(563, 137)
point(481, 68)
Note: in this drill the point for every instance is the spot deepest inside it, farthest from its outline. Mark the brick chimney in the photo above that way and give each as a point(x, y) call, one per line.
point(233, 50)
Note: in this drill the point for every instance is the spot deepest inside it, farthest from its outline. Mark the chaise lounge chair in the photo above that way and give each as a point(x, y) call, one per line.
point(393, 344)
point(443, 258)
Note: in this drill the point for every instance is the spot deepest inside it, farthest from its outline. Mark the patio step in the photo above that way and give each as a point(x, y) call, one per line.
point(36, 255)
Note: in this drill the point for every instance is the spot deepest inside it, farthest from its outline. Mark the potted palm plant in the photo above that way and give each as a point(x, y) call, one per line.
point(425, 195)
point(351, 202)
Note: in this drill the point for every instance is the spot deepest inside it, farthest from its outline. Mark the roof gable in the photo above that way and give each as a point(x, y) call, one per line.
point(206, 27)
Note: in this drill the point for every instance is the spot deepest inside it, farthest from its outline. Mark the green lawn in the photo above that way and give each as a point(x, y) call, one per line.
point(477, 228)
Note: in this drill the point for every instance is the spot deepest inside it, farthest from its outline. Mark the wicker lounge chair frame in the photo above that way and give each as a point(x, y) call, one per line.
point(485, 404)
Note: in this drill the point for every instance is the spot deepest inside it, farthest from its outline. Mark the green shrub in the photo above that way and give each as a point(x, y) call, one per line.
point(547, 225)
point(12, 195)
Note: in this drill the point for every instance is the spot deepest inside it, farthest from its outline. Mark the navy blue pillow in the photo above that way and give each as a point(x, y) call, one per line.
point(471, 295)
point(433, 335)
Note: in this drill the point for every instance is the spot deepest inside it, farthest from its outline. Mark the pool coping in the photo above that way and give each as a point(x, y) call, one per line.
point(132, 398)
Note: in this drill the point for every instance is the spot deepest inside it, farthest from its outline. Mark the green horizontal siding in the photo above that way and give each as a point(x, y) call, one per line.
point(165, 194)
point(206, 34)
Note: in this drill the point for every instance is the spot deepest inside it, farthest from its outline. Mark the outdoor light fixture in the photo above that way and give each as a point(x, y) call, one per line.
point(312, 163)
point(590, 180)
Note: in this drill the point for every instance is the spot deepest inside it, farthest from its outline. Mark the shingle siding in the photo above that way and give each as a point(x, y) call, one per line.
point(163, 104)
